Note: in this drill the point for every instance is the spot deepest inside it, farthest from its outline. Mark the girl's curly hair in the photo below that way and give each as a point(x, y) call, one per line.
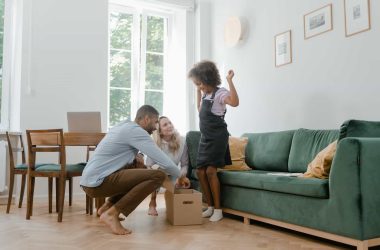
point(206, 72)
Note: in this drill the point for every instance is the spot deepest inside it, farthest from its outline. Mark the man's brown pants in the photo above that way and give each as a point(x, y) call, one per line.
point(127, 188)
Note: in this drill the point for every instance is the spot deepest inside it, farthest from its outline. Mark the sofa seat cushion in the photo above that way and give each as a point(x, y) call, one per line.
point(258, 179)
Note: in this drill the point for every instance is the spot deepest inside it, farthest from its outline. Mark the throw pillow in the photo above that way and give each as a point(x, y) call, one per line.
point(237, 151)
point(320, 166)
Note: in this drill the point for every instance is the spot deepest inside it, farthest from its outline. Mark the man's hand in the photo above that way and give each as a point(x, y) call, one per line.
point(182, 182)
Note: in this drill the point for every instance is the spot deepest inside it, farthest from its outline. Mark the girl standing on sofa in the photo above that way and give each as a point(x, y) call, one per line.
point(213, 149)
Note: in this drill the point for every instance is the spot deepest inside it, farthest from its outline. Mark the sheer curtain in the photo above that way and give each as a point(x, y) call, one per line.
point(12, 49)
point(13, 18)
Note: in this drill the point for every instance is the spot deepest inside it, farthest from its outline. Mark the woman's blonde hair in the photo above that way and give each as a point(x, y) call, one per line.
point(174, 142)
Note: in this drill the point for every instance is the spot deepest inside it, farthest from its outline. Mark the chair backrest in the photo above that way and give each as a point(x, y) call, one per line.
point(83, 139)
point(48, 140)
point(13, 142)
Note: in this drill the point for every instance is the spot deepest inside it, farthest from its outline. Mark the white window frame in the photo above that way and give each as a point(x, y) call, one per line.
point(134, 57)
point(143, 51)
point(138, 60)
point(7, 50)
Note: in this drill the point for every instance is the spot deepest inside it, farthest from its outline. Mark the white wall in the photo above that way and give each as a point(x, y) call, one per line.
point(64, 65)
point(332, 78)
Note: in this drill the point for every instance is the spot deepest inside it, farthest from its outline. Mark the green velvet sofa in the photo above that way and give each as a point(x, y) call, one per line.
point(344, 208)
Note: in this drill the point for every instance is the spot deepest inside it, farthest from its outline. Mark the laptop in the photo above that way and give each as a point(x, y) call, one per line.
point(84, 122)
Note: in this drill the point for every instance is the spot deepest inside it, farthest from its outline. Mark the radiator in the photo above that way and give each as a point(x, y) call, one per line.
point(3, 165)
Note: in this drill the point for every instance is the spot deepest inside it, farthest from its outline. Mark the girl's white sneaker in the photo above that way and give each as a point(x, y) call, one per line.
point(208, 212)
point(217, 215)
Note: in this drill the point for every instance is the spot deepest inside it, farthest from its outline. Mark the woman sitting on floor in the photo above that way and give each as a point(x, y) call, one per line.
point(174, 145)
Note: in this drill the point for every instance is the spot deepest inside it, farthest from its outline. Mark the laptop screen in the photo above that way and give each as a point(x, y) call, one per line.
point(84, 122)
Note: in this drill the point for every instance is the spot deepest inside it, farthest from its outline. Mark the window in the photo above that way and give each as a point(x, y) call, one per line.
point(1, 59)
point(120, 67)
point(154, 54)
point(137, 61)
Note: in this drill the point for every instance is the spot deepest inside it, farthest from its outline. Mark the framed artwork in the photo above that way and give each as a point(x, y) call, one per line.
point(357, 16)
point(283, 48)
point(318, 21)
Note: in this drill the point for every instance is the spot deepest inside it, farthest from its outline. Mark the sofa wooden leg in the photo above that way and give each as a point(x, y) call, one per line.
point(362, 245)
point(247, 221)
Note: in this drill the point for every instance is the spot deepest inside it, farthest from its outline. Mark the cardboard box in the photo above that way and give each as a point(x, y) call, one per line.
point(183, 206)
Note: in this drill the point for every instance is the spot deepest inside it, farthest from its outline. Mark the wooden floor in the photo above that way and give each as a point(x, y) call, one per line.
point(81, 231)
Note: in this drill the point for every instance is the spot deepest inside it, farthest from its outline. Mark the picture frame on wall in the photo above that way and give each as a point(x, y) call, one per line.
point(318, 21)
point(283, 48)
point(357, 17)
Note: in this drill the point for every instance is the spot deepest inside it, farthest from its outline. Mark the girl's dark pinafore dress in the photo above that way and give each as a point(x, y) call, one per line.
point(213, 146)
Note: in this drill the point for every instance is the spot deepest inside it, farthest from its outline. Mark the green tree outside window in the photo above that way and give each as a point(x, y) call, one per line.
point(120, 67)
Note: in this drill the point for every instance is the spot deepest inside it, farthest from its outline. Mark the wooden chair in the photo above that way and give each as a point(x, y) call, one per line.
point(91, 140)
point(89, 200)
point(44, 141)
point(16, 169)
point(22, 169)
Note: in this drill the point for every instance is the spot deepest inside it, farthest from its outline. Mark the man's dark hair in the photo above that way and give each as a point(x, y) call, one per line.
point(146, 110)
point(206, 72)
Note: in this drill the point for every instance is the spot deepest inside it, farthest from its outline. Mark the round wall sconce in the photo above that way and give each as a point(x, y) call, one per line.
point(233, 31)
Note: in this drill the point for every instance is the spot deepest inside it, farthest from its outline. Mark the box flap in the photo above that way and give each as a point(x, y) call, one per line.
point(183, 191)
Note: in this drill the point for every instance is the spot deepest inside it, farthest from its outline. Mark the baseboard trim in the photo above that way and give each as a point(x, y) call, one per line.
point(4, 198)
point(75, 195)
point(360, 245)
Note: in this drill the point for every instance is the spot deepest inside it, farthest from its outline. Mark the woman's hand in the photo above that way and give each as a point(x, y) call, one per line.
point(182, 182)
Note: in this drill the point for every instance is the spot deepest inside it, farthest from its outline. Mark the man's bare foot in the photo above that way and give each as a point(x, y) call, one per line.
point(105, 207)
point(152, 205)
point(111, 219)
point(152, 211)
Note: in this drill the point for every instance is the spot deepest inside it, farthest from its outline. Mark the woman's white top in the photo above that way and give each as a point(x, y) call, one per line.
point(180, 157)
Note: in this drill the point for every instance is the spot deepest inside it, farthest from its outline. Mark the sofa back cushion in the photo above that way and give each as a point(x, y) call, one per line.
point(357, 128)
point(306, 144)
point(269, 151)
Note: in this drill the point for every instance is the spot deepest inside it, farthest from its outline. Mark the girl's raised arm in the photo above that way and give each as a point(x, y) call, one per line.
point(233, 98)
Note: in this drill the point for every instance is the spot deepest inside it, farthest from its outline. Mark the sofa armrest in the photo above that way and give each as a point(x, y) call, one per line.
point(192, 142)
point(355, 180)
